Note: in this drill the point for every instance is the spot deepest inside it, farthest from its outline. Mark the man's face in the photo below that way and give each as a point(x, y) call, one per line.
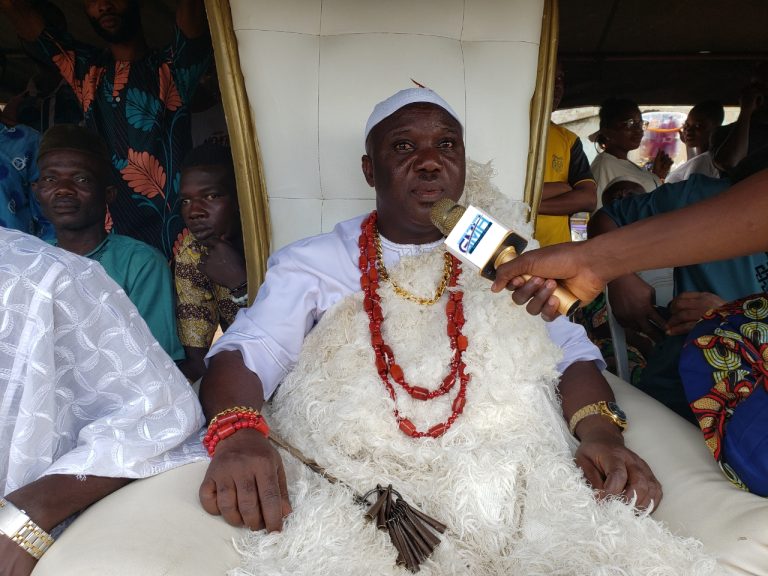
point(115, 21)
point(414, 158)
point(209, 203)
point(72, 189)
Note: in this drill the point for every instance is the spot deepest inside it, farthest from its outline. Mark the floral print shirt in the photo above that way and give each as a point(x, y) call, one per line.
point(140, 108)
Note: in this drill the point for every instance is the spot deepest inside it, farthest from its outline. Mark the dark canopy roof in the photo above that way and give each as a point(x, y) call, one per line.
point(660, 51)
point(654, 51)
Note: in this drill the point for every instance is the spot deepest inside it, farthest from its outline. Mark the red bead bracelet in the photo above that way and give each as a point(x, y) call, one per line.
point(229, 421)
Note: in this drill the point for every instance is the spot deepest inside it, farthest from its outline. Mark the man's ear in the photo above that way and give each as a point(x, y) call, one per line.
point(110, 193)
point(367, 164)
point(35, 190)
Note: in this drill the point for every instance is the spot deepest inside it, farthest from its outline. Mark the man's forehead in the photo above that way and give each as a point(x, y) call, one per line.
point(63, 158)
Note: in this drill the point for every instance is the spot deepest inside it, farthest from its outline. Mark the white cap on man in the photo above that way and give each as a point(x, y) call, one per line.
point(387, 107)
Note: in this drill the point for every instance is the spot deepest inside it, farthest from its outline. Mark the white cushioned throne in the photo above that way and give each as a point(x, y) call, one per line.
point(312, 70)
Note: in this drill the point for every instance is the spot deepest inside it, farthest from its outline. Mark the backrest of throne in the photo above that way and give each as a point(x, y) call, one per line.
point(314, 69)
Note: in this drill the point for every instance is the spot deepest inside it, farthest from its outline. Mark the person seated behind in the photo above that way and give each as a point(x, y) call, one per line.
point(326, 325)
point(723, 374)
point(18, 169)
point(90, 400)
point(745, 142)
point(698, 288)
point(73, 191)
point(568, 183)
point(619, 188)
point(135, 97)
point(697, 134)
point(621, 131)
point(210, 275)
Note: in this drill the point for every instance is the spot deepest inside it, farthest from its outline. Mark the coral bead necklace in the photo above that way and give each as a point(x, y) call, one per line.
point(371, 271)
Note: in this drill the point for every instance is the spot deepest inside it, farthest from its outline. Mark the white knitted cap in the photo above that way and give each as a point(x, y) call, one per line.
point(387, 107)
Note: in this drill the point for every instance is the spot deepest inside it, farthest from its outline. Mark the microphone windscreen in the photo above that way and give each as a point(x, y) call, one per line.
point(445, 214)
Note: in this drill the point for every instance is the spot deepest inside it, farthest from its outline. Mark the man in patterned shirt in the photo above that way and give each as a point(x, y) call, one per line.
point(136, 98)
point(211, 280)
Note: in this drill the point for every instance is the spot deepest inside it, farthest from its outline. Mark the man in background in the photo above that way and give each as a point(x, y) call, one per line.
point(568, 183)
point(210, 273)
point(136, 98)
point(73, 190)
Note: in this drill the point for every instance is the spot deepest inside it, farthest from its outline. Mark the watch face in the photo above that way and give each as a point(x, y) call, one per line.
point(616, 411)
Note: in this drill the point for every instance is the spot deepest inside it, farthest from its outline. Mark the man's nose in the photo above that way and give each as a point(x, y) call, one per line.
point(196, 209)
point(64, 187)
point(428, 160)
point(105, 6)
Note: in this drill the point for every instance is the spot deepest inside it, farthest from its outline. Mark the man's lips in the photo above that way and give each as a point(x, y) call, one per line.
point(65, 206)
point(109, 21)
point(428, 195)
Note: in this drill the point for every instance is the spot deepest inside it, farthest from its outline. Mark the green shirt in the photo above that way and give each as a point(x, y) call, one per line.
point(143, 273)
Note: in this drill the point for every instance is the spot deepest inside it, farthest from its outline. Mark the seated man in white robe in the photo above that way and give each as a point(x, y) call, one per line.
point(395, 366)
point(88, 398)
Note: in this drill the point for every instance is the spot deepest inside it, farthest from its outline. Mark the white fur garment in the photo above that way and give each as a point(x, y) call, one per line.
point(502, 478)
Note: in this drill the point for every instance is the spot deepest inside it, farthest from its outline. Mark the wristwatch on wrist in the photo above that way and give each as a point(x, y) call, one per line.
point(608, 409)
point(16, 525)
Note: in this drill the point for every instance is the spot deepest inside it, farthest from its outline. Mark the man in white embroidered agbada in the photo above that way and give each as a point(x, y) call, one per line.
point(88, 398)
point(414, 156)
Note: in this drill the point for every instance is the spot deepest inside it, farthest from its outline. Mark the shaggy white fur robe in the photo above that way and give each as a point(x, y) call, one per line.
point(502, 478)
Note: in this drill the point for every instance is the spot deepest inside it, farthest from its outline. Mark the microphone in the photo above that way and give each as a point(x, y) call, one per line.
point(475, 237)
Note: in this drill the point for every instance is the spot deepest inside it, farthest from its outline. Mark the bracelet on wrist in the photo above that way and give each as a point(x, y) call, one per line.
point(229, 421)
point(20, 528)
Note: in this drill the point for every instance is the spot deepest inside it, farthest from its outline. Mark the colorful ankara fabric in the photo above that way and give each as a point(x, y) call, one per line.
point(18, 168)
point(201, 305)
point(84, 387)
point(724, 368)
point(143, 273)
point(140, 108)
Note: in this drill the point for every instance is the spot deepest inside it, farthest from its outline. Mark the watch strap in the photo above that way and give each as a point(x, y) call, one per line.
point(600, 408)
point(16, 525)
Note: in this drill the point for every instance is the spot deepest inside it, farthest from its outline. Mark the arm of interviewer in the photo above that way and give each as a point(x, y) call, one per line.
point(245, 482)
point(608, 465)
point(49, 501)
point(727, 225)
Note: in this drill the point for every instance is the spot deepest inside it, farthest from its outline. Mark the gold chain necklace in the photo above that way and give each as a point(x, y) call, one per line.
point(402, 292)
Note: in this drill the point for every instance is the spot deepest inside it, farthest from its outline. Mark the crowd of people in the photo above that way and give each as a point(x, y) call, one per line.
point(109, 319)
point(647, 321)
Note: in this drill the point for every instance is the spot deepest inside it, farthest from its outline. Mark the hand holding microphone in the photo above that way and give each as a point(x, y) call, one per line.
point(476, 238)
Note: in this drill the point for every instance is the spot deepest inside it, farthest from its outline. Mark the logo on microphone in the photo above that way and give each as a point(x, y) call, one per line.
point(474, 234)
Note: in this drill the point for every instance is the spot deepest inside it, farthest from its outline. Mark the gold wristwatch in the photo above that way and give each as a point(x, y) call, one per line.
point(16, 525)
point(608, 409)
